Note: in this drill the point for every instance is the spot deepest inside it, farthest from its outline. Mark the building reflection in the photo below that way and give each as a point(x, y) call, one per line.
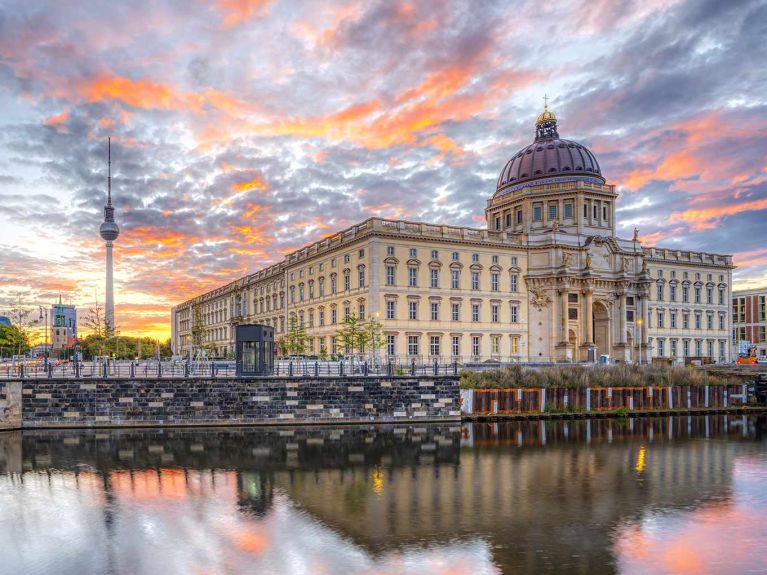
point(522, 496)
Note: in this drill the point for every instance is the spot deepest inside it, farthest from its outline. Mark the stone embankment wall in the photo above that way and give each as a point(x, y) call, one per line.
point(10, 405)
point(594, 399)
point(169, 402)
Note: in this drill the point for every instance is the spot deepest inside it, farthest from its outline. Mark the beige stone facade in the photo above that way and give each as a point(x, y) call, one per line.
point(547, 280)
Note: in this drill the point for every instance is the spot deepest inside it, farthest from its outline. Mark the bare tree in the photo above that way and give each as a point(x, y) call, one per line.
point(94, 319)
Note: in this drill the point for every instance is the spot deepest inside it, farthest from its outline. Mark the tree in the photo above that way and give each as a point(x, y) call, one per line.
point(19, 315)
point(374, 336)
point(352, 336)
point(95, 321)
point(13, 340)
point(198, 327)
point(295, 338)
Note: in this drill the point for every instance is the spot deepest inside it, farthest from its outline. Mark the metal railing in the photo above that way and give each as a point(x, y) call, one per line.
point(357, 367)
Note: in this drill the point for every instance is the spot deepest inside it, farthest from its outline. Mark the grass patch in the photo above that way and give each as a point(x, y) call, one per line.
point(579, 376)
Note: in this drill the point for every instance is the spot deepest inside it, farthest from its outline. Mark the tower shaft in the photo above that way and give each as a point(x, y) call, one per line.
point(109, 306)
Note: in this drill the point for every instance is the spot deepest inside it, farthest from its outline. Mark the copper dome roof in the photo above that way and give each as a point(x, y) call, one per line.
point(548, 156)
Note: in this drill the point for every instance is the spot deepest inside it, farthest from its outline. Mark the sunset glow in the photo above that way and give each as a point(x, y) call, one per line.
point(244, 129)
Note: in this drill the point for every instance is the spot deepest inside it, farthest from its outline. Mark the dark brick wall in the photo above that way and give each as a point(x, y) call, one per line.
point(113, 402)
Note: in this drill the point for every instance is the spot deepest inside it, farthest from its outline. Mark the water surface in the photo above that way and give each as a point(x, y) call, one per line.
point(666, 495)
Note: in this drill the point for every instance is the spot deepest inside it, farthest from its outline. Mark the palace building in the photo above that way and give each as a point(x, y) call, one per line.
point(546, 280)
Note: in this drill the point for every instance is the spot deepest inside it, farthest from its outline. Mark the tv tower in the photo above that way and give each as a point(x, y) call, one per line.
point(109, 232)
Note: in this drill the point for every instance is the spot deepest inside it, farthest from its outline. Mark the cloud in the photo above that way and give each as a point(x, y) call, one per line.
point(248, 129)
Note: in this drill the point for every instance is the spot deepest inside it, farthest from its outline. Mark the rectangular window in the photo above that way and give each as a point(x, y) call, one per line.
point(709, 321)
point(721, 296)
point(494, 313)
point(709, 295)
point(604, 213)
point(361, 278)
point(596, 211)
point(514, 282)
point(514, 314)
point(497, 223)
point(661, 315)
point(537, 213)
point(494, 282)
point(475, 312)
point(697, 321)
point(455, 256)
point(413, 252)
point(435, 278)
point(347, 281)
point(515, 344)
point(475, 345)
point(496, 344)
point(389, 275)
point(412, 345)
point(710, 348)
point(629, 315)
point(519, 217)
point(721, 350)
point(508, 220)
point(412, 310)
point(672, 293)
point(585, 211)
point(697, 295)
point(660, 292)
point(572, 313)
point(434, 254)
point(568, 210)
point(391, 345)
point(686, 348)
point(475, 258)
point(721, 321)
point(456, 345)
point(698, 347)
point(391, 308)
point(434, 311)
point(322, 317)
point(685, 321)
point(661, 348)
point(455, 312)
point(513, 260)
point(673, 320)
point(390, 253)
point(412, 277)
point(347, 312)
point(454, 278)
point(434, 345)
point(475, 280)
point(552, 212)
point(685, 294)
point(361, 253)
point(673, 348)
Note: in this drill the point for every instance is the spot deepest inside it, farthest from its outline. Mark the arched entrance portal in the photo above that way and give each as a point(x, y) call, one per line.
point(601, 320)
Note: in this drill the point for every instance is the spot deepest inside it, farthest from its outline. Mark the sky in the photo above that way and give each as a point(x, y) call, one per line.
point(244, 129)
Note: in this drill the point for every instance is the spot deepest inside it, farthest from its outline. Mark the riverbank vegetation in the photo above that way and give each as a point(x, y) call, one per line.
point(577, 376)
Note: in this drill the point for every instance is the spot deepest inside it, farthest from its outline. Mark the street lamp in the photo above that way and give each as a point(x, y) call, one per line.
point(45, 349)
point(639, 323)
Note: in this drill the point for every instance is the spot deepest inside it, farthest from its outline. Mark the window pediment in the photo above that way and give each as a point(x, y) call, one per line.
point(456, 266)
point(412, 262)
point(476, 267)
point(391, 260)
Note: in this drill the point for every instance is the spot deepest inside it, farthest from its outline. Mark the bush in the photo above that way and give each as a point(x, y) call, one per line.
point(578, 376)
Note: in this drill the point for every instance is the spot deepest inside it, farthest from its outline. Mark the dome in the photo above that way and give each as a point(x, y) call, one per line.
point(548, 156)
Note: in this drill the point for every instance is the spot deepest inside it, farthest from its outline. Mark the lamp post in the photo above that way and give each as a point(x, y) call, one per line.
point(639, 323)
point(45, 349)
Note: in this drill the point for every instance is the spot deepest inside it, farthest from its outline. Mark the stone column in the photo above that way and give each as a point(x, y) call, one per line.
point(622, 319)
point(563, 304)
point(587, 317)
point(644, 309)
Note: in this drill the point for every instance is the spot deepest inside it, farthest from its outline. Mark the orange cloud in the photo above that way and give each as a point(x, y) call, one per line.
point(707, 218)
point(255, 184)
point(58, 119)
point(238, 12)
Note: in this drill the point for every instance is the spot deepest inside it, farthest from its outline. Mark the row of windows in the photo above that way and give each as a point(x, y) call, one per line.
point(674, 348)
point(686, 276)
point(321, 266)
point(552, 211)
point(698, 319)
point(455, 311)
point(739, 334)
point(455, 279)
point(435, 345)
point(697, 292)
point(455, 256)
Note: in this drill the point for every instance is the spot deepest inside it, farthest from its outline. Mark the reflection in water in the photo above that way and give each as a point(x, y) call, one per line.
point(666, 495)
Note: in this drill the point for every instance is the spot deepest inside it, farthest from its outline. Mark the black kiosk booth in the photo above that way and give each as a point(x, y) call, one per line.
point(254, 346)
